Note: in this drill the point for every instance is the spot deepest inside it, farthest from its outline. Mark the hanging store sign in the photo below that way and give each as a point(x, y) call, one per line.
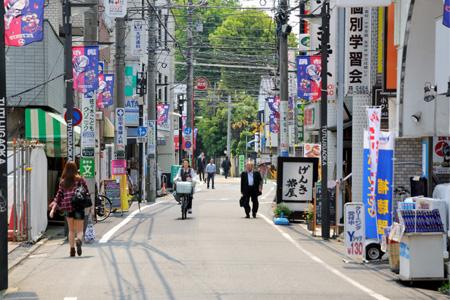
point(105, 90)
point(85, 69)
point(163, 117)
point(151, 144)
point(121, 133)
point(381, 98)
point(116, 8)
point(309, 80)
point(119, 167)
point(137, 37)
point(24, 21)
point(357, 51)
point(132, 112)
point(304, 42)
point(88, 127)
point(300, 130)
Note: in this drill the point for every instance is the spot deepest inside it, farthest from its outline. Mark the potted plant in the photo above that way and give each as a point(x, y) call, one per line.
point(280, 209)
point(310, 217)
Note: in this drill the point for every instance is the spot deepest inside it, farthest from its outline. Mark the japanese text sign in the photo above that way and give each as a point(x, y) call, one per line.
point(85, 69)
point(121, 133)
point(137, 37)
point(24, 20)
point(296, 178)
point(354, 230)
point(87, 167)
point(309, 80)
point(115, 8)
point(151, 135)
point(88, 127)
point(358, 50)
point(119, 167)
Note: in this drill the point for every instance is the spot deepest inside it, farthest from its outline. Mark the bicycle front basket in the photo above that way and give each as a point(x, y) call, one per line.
point(184, 187)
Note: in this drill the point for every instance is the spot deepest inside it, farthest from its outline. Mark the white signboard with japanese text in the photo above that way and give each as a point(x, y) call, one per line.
point(88, 127)
point(151, 134)
point(354, 230)
point(357, 50)
point(121, 133)
point(138, 43)
point(295, 180)
point(115, 8)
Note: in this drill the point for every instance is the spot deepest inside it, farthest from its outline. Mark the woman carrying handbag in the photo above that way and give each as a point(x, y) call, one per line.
point(72, 198)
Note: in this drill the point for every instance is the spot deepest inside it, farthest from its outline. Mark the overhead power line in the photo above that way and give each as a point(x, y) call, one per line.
point(228, 66)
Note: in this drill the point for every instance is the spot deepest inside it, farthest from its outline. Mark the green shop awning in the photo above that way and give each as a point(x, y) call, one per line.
point(49, 129)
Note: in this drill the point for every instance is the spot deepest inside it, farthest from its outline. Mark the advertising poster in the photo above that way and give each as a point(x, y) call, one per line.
point(24, 21)
point(88, 127)
point(309, 79)
point(163, 117)
point(378, 213)
point(441, 155)
point(85, 69)
point(354, 230)
point(105, 90)
point(115, 8)
point(274, 115)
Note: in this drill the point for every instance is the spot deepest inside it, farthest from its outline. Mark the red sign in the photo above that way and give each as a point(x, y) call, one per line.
point(119, 167)
point(77, 117)
point(201, 84)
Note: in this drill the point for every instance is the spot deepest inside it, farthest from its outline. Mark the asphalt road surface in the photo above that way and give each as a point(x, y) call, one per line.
point(215, 254)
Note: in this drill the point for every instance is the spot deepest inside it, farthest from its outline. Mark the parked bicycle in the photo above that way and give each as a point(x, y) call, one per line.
point(103, 207)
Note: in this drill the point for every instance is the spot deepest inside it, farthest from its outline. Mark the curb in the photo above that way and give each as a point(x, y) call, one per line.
point(27, 254)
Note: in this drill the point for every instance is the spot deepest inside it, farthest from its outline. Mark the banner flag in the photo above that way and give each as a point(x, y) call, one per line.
point(105, 90)
point(446, 15)
point(163, 120)
point(85, 69)
point(375, 223)
point(274, 116)
point(138, 44)
point(23, 22)
point(309, 80)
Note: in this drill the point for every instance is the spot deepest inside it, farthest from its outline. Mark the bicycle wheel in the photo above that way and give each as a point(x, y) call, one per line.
point(103, 208)
point(184, 205)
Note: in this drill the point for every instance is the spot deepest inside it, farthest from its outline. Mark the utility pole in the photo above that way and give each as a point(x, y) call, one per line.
point(151, 180)
point(3, 161)
point(283, 32)
point(190, 73)
point(68, 76)
point(325, 14)
point(229, 128)
point(119, 90)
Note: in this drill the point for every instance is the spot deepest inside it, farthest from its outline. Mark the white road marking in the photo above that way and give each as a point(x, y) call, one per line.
point(105, 238)
point(356, 284)
point(70, 298)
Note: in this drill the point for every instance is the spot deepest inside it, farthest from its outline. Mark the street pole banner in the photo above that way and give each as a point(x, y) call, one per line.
point(88, 127)
point(115, 8)
point(137, 38)
point(163, 117)
point(121, 133)
point(284, 138)
point(151, 144)
point(101, 67)
point(354, 230)
point(300, 116)
point(375, 223)
point(274, 116)
point(24, 21)
point(357, 50)
point(105, 90)
point(309, 80)
point(85, 69)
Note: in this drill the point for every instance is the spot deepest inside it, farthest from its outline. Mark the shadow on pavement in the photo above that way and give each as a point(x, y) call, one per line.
point(21, 295)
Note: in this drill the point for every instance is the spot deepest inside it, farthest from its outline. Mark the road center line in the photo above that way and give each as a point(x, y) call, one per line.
point(105, 238)
point(338, 273)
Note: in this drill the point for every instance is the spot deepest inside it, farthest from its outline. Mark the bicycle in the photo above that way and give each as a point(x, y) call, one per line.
point(184, 190)
point(103, 207)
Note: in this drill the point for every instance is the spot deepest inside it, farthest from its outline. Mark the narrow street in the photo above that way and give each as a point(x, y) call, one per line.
point(215, 254)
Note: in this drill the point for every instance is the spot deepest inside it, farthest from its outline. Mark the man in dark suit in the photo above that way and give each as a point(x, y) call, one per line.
point(251, 188)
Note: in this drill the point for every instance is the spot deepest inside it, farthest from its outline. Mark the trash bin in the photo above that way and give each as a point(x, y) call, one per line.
point(173, 172)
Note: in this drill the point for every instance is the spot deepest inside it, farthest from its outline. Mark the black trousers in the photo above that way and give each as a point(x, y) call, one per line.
point(210, 177)
point(255, 204)
point(226, 171)
point(201, 174)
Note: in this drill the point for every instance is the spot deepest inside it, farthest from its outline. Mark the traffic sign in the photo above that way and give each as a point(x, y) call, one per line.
point(188, 145)
point(77, 116)
point(201, 83)
point(187, 131)
point(142, 131)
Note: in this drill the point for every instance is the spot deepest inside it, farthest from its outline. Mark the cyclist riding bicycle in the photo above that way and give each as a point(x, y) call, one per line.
point(186, 173)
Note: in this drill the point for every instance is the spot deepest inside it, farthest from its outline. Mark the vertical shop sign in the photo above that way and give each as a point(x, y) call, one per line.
point(151, 145)
point(241, 163)
point(309, 80)
point(354, 230)
point(87, 167)
point(23, 22)
point(88, 127)
point(121, 134)
point(85, 69)
point(358, 50)
point(137, 37)
point(300, 115)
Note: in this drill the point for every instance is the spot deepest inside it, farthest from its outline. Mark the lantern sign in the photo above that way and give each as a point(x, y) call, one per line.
point(201, 83)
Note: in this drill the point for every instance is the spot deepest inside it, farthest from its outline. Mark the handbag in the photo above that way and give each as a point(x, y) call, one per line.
point(89, 235)
point(81, 199)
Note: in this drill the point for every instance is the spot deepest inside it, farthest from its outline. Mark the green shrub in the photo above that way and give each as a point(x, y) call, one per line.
point(282, 208)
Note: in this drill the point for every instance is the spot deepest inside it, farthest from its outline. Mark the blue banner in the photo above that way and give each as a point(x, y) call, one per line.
point(105, 90)
point(274, 116)
point(23, 22)
point(446, 15)
point(309, 80)
point(85, 69)
point(379, 216)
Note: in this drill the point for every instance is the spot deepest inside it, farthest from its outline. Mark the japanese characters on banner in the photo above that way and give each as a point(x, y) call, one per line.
point(88, 127)
point(105, 90)
point(441, 155)
point(296, 178)
point(85, 69)
point(300, 116)
point(121, 133)
point(309, 80)
point(24, 21)
point(274, 114)
point(358, 50)
point(354, 230)
point(138, 44)
point(163, 117)
point(374, 122)
point(115, 8)
point(375, 223)
point(151, 144)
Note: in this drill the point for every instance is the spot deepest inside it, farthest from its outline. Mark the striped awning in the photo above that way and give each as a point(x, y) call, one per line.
point(49, 129)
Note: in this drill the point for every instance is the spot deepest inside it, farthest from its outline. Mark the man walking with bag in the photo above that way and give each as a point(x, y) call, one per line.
point(251, 188)
point(211, 171)
point(226, 165)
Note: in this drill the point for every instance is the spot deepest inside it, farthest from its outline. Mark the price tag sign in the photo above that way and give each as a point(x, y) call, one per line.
point(354, 230)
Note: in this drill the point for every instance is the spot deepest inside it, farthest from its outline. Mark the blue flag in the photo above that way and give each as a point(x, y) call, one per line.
point(446, 15)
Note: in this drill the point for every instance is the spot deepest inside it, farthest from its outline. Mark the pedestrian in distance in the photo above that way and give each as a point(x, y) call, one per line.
point(211, 171)
point(251, 188)
point(186, 173)
point(226, 166)
point(70, 182)
point(201, 165)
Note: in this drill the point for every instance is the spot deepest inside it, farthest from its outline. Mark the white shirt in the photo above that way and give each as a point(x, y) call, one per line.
point(250, 178)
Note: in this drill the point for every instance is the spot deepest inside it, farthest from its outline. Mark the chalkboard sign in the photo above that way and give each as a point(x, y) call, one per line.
point(332, 201)
point(112, 191)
